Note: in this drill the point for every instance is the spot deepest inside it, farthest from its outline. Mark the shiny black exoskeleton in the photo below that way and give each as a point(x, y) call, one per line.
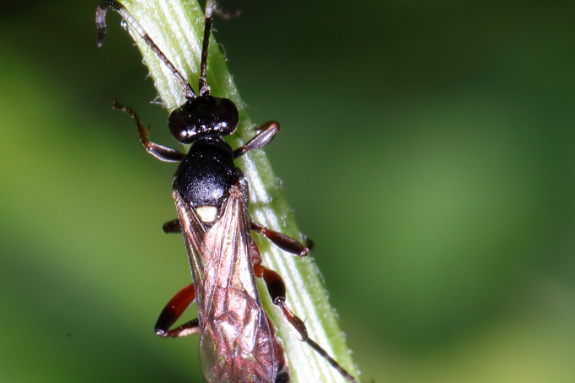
point(208, 171)
point(203, 116)
point(239, 342)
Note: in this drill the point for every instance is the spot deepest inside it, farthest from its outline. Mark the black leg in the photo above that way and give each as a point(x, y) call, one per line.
point(277, 291)
point(281, 240)
point(266, 134)
point(160, 152)
point(172, 226)
point(173, 310)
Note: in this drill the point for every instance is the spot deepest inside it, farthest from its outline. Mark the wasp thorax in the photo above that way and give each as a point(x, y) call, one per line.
point(203, 116)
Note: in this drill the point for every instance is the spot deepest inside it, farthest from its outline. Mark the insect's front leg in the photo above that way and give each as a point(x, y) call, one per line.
point(173, 310)
point(266, 134)
point(277, 290)
point(162, 153)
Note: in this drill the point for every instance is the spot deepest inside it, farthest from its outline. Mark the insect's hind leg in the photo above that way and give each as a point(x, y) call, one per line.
point(277, 290)
point(173, 310)
point(160, 152)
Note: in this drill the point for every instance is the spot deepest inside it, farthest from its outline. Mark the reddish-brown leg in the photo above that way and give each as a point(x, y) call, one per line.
point(281, 240)
point(277, 290)
point(173, 310)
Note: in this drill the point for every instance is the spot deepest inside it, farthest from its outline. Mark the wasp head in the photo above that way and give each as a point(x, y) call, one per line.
point(203, 116)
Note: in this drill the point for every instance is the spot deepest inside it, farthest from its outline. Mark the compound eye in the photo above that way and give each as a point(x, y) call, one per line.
point(178, 126)
point(229, 116)
point(203, 116)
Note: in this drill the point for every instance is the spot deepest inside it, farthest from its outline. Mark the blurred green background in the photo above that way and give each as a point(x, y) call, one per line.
point(426, 147)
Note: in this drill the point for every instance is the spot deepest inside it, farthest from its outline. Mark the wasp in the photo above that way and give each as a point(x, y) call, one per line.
point(238, 341)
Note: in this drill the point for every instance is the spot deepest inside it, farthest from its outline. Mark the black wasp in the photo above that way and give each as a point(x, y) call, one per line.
point(238, 341)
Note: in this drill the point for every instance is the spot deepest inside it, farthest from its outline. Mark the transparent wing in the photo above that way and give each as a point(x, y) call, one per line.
point(237, 340)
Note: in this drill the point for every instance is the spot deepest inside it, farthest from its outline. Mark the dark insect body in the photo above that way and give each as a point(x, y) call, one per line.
point(238, 341)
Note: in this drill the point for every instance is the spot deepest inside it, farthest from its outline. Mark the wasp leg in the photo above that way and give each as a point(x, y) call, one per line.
point(172, 226)
point(173, 310)
point(277, 290)
point(281, 240)
point(160, 152)
point(266, 134)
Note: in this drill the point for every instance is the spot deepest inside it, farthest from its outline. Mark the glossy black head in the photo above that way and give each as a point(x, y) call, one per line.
point(203, 116)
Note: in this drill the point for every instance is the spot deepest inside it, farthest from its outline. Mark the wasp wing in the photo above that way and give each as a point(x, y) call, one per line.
point(237, 339)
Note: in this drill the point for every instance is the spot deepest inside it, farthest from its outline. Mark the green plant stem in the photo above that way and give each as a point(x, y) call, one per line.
point(176, 26)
